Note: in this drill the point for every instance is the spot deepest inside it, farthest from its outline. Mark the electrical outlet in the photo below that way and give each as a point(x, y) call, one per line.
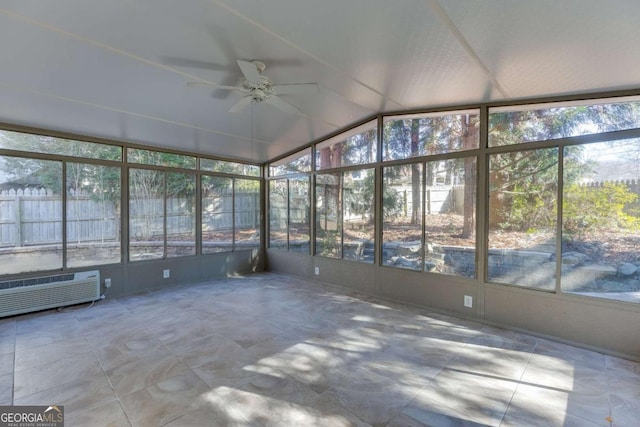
point(166, 273)
point(468, 301)
point(107, 283)
point(317, 271)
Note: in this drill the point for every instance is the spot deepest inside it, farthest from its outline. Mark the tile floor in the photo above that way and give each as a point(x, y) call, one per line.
point(275, 350)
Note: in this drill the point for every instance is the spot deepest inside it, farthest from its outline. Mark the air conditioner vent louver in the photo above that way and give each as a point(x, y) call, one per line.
point(23, 296)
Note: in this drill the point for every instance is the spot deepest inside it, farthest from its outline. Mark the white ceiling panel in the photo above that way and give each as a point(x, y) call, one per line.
point(399, 50)
point(548, 47)
point(119, 69)
point(60, 115)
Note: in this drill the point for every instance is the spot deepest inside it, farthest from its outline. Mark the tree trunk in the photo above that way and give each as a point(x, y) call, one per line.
point(325, 158)
point(336, 156)
point(469, 141)
point(371, 144)
point(416, 189)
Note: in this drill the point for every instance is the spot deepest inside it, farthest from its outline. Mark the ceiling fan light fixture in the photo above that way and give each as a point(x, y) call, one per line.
point(259, 95)
point(257, 88)
point(260, 65)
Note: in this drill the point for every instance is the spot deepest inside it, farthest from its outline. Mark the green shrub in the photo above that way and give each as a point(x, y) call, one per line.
point(528, 208)
point(597, 208)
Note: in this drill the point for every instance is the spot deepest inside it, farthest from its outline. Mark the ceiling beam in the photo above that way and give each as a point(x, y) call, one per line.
point(444, 17)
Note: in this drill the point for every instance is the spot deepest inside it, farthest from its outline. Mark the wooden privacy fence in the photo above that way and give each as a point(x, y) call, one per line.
point(438, 199)
point(34, 216)
point(218, 211)
point(296, 210)
point(633, 185)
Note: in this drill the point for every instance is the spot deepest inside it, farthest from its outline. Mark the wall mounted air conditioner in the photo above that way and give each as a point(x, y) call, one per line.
point(41, 293)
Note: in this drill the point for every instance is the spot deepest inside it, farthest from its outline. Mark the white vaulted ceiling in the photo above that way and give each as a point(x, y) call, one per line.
point(119, 69)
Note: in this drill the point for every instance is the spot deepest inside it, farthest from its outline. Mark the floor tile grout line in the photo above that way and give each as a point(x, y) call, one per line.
point(279, 330)
point(291, 378)
point(515, 390)
point(606, 373)
point(344, 408)
point(13, 376)
point(115, 393)
point(50, 388)
point(69, 356)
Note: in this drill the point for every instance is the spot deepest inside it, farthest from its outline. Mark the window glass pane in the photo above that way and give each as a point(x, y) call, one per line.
point(278, 213)
point(181, 209)
point(93, 215)
point(420, 135)
point(298, 162)
point(328, 215)
point(51, 145)
point(247, 213)
point(601, 220)
point(229, 167)
point(356, 147)
point(358, 214)
point(160, 158)
point(402, 216)
point(146, 214)
point(30, 215)
point(450, 210)
point(522, 218)
point(514, 125)
point(217, 214)
point(299, 222)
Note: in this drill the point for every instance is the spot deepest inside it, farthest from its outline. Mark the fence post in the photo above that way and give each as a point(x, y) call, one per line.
point(256, 212)
point(454, 202)
point(17, 215)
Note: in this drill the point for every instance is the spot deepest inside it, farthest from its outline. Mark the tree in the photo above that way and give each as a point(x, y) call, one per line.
point(354, 150)
point(513, 127)
point(523, 189)
point(286, 166)
point(470, 140)
point(101, 184)
point(525, 181)
point(416, 187)
point(411, 137)
point(146, 203)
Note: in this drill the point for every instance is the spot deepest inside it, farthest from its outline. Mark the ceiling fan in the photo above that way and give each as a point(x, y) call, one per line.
point(257, 88)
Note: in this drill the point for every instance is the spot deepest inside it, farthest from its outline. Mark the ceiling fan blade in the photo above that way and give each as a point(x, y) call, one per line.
point(196, 84)
point(193, 63)
point(282, 105)
point(224, 92)
point(241, 105)
point(217, 86)
point(295, 88)
point(249, 70)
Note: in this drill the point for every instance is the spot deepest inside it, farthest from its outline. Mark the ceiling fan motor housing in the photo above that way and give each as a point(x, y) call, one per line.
point(257, 88)
point(259, 91)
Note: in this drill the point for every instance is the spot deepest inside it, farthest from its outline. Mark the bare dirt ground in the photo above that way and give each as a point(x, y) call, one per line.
point(604, 246)
point(443, 229)
point(607, 246)
point(614, 246)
